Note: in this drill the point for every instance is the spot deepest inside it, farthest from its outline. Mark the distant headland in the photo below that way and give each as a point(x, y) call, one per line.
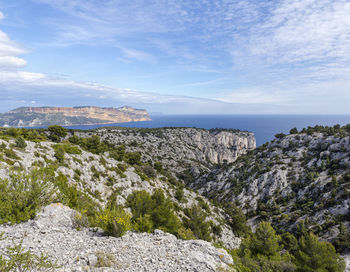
point(70, 116)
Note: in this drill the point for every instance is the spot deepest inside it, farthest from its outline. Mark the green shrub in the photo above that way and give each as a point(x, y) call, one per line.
point(103, 161)
point(186, 234)
point(140, 203)
point(179, 194)
point(34, 135)
point(74, 140)
point(133, 158)
point(95, 172)
point(263, 251)
point(149, 171)
point(56, 133)
point(94, 145)
point(203, 204)
point(68, 148)
point(314, 255)
point(118, 153)
point(141, 174)
point(72, 197)
point(20, 142)
point(289, 242)
point(342, 242)
point(11, 154)
point(163, 215)
point(59, 153)
point(22, 195)
point(265, 241)
point(122, 167)
point(237, 220)
point(293, 131)
point(196, 221)
point(114, 222)
point(143, 223)
point(280, 135)
point(158, 166)
point(154, 211)
point(14, 132)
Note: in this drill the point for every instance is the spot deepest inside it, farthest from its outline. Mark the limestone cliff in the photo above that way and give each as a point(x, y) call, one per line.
point(44, 116)
point(188, 152)
point(304, 176)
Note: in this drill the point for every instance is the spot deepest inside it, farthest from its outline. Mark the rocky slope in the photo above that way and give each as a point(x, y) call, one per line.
point(102, 178)
point(88, 250)
point(188, 152)
point(302, 176)
point(45, 116)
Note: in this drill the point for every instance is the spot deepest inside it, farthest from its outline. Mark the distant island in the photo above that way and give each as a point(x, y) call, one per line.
point(68, 116)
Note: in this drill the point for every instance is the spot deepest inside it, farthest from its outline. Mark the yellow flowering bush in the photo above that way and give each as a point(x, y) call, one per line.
point(80, 220)
point(114, 222)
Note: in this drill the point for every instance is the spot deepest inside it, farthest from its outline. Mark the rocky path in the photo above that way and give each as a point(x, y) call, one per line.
point(52, 232)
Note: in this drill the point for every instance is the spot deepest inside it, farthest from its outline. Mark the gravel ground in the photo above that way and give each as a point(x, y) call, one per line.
point(52, 232)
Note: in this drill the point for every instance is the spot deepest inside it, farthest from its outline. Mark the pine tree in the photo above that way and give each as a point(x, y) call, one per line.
point(342, 242)
point(265, 241)
point(314, 255)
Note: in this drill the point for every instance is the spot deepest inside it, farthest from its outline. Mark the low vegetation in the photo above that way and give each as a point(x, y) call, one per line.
point(23, 195)
point(266, 251)
point(272, 247)
point(17, 258)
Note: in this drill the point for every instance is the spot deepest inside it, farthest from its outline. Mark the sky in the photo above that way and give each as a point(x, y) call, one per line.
point(177, 56)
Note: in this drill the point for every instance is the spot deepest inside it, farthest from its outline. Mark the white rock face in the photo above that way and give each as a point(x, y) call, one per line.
point(180, 143)
point(300, 176)
point(52, 233)
point(347, 262)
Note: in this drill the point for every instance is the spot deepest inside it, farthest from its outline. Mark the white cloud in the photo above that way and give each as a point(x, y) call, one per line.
point(20, 89)
point(9, 51)
point(137, 55)
point(308, 33)
point(257, 33)
point(294, 46)
point(253, 96)
point(20, 76)
point(9, 47)
point(199, 21)
point(10, 61)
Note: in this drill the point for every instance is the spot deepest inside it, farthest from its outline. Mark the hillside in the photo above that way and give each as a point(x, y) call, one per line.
point(116, 188)
point(185, 151)
point(96, 172)
point(67, 116)
point(301, 176)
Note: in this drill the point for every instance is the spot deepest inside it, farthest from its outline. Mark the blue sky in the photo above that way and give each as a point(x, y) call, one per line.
point(177, 56)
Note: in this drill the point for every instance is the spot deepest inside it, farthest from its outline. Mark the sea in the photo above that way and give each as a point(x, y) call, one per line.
point(264, 127)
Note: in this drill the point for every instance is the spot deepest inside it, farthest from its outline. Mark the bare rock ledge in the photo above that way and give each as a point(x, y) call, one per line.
point(52, 232)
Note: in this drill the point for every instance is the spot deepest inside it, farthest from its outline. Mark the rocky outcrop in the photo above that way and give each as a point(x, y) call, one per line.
point(99, 177)
point(44, 116)
point(181, 149)
point(296, 177)
point(53, 233)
